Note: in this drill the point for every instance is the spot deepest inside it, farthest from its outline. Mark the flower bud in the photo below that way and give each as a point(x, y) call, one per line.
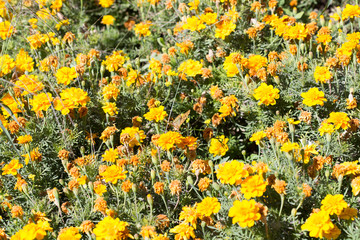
point(76, 191)
point(91, 186)
point(322, 20)
point(203, 224)
point(340, 178)
point(61, 181)
point(190, 180)
point(82, 150)
point(66, 191)
point(216, 186)
point(102, 70)
point(302, 47)
point(153, 174)
point(277, 80)
point(243, 152)
point(24, 188)
point(330, 25)
point(338, 11)
point(155, 160)
point(211, 165)
point(64, 163)
point(150, 199)
point(293, 212)
point(137, 136)
point(327, 173)
point(134, 188)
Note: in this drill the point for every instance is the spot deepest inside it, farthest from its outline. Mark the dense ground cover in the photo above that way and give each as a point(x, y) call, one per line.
point(170, 119)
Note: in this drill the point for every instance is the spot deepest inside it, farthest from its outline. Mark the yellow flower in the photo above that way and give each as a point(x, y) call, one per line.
point(100, 189)
point(308, 150)
point(298, 31)
point(148, 232)
point(24, 62)
point(110, 228)
point(35, 155)
point(24, 139)
point(224, 28)
point(350, 11)
point(69, 233)
point(231, 172)
point(82, 180)
point(322, 74)
point(253, 186)
point(168, 140)
point(6, 30)
point(348, 213)
point(113, 174)
point(292, 121)
point(339, 119)
point(110, 108)
point(333, 204)
point(245, 213)
point(110, 91)
point(346, 168)
point(313, 97)
point(71, 98)
point(29, 84)
point(323, 38)
point(266, 94)
point(184, 231)
point(132, 136)
point(12, 167)
point(31, 231)
point(319, 225)
point(110, 155)
point(62, 23)
point(6, 64)
point(65, 75)
point(44, 14)
point(229, 66)
point(156, 114)
point(209, 18)
point(208, 206)
point(191, 68)
point(114, 61)
point(257, 137)
point(108, 20)
point(41, 102)
point(193, 24)
point(142, 29)
point(256, 62)
point(153, 2)
point(289, 146)
point(218, 146)
point(326, 128)
point(106, 3)
point(355, 185)
point(189, 215)
point(194, 4)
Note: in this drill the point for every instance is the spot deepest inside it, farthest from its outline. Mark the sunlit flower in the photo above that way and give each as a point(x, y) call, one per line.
point(231, 172)
point(245, 213)
point(313, 97)
point(218, 146)
point(267, 94)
